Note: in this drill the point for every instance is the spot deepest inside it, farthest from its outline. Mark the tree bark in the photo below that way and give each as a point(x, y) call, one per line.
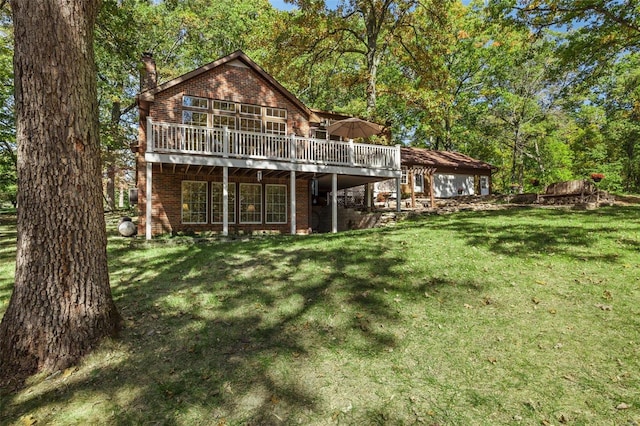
point(61, 304)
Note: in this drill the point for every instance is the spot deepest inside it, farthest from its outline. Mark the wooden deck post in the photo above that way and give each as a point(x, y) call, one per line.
point(398, 194)
point(334, 203)
point(225, 201)
point(412, 187)
point(432, 196)
point(292, 191)
point(225, 141)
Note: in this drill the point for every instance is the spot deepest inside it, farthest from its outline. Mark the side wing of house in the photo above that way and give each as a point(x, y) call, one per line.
point(441, 174)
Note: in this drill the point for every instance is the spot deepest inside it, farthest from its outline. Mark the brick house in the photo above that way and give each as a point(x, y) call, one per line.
point(225, 148)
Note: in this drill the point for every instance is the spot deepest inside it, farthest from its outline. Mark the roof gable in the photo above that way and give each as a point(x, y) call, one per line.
point(238, 59)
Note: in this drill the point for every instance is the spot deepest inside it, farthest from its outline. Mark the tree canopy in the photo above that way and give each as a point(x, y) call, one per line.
point(543, 90)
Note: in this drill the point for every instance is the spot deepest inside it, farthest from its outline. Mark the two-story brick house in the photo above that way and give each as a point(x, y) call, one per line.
point(226, 148)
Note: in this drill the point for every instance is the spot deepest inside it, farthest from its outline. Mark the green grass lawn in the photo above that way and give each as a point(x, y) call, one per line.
point(524, 316)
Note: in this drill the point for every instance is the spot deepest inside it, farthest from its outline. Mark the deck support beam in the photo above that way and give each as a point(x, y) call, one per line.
point(398, 194)
point(225, 201)
point(292, 192)
point(334, 203)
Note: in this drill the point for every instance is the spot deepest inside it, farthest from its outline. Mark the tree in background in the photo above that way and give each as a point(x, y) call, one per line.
point(8, 158)
point(601, 36)
point(619, 96)
point(356, 43)
point(61, 305)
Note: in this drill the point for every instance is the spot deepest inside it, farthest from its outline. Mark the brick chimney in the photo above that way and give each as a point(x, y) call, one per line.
point(148, 75)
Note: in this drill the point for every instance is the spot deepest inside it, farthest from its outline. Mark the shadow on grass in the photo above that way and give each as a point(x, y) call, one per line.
point(8, 237)
point(214, 330)
point(527, 232)
point(220, 332)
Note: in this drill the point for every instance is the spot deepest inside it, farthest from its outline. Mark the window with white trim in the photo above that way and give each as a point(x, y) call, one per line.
point(275, 112)
point(419, 178)
point(216, 203)
point(224, 106)
point(276, 128)
point(194, 202)
point(405, 179)
point(193, 102)
point(320, 134)
point(275, 203)
point(250, 203)
point(251, 125)
point(194, 118)
point(224, 120)
point(250, 109)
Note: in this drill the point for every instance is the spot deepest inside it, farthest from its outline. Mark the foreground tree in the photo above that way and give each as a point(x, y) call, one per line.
point(61, 305)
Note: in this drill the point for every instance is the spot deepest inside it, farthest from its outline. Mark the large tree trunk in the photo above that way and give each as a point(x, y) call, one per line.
point(61, 304)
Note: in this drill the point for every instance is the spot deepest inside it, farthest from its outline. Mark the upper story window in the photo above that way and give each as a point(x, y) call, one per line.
point(275, 112)
point(251, 125)
point(224, 106)
point(276, 128)
point(250, 109)
point(224, 120)
point(193, 102)
point(320, 134)
point(194, 118)
point(246, 117)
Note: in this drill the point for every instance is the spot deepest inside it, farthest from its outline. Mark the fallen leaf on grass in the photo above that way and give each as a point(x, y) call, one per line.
point(603, 307)
point(535, 300)
point(28, 421)
point(623, 406)
point(468, 306)
point(492, 360)
point(552, 311)
point(69, 371)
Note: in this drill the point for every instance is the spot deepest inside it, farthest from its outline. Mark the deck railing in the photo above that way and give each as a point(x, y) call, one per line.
point(223, 142)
